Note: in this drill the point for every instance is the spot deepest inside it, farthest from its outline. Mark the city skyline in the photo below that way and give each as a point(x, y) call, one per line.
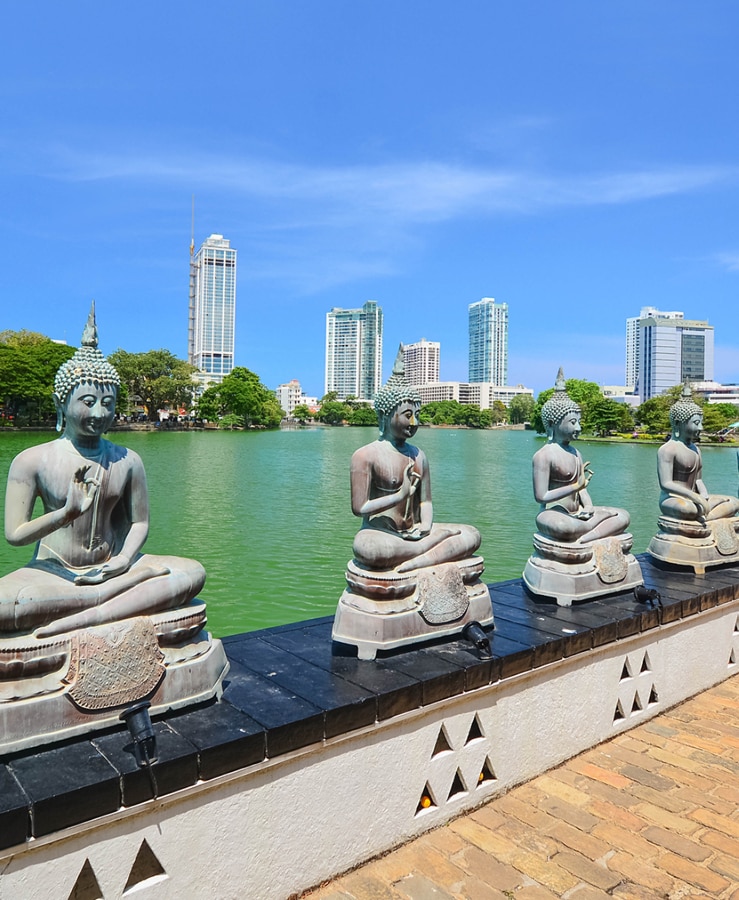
point(577, 160)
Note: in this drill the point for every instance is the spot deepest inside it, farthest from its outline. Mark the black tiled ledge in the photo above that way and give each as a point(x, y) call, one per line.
point(287, 689)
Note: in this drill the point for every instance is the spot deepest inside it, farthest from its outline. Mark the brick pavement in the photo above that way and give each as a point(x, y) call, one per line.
point(652, 813)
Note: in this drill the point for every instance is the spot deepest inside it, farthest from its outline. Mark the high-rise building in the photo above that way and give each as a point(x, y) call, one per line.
point(672, 351)
point(422, 361)
point(354, 351)
point(488, 333)
point(632, 341)
point(210, 344)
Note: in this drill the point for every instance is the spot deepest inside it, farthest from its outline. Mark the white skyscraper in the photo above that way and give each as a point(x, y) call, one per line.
point(488, 341)
point(422, 361)
point(212, 309)
point(354, 351)
point(632, 341)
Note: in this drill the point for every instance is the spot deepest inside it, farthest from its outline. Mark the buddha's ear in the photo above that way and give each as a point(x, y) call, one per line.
point(59, 411)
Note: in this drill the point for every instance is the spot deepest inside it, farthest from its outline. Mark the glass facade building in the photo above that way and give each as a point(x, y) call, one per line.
point(672, 351)
point(354, 351)
point(212, 310)
point(488, 335)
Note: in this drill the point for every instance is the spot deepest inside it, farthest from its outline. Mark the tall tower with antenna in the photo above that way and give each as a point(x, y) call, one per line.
point(212, 312)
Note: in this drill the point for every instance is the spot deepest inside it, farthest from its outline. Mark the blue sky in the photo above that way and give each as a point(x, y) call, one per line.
point(577, 160)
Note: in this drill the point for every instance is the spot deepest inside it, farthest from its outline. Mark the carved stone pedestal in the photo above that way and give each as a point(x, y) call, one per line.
point(55, 688)
point(581, 571)
point(385, 610)
point(694, 544)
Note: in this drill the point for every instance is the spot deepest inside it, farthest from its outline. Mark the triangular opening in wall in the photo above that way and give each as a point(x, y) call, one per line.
point(427, 800)
point(636, 705)
point(626, 670)
point(146, 869)
point(646, 666)
point(653, 696)
point(619, 712)
point(732, 657)
point(736, 626)
point(86, 887)
point(475, 732)
point(487, 773)
point(457, 787)
point(442, 744)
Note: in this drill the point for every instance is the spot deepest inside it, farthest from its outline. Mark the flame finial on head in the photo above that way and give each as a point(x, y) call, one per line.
point(396, 389)
point(559, 404)
point(87, 366)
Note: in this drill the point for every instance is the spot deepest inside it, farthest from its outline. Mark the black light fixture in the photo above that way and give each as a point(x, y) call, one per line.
point(475, 633)
point(647, 595)
point(138, 722)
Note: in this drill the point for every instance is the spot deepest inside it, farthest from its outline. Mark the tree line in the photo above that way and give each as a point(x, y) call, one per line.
point(157, 379)
point(150, 381)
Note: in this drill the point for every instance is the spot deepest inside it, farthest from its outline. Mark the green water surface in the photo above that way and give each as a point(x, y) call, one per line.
point(268, 515)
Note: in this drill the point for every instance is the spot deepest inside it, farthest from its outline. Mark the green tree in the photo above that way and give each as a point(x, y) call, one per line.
point(28, 364)
point(441, 412)
point(363, 415)
point(654, 414)
point(499, 412)
point(608, 415)
point(241, 394)
point(717, 416)
point(333, 412)
point(231, 422)
point(521, 409)
point(302, 413)
point(158, 377)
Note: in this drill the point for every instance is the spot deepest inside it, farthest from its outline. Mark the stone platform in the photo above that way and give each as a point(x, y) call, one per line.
point(309, 750)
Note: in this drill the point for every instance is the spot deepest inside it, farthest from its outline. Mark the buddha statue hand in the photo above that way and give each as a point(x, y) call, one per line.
point(585, 475)
point(81, 493)
point(117, 565)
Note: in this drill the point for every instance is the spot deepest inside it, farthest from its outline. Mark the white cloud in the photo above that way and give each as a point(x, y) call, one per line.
point(421, 191)
point(729, 261)
point(314, 226)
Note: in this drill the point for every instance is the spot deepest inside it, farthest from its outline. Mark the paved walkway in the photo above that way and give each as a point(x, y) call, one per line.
point(653, 813)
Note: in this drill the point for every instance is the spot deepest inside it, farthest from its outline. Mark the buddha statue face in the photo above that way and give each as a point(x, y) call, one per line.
point(690, 429)
point(568, 428)
point(402, 422)
point(89, 410)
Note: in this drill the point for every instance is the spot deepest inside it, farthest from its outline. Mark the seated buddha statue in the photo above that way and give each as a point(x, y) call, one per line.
point(696, 528)
point(399, 544)
point(586, 545)
point(88, 568)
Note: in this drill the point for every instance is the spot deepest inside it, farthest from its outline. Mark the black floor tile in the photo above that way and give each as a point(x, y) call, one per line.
point(289, 721)
point(226, 739)
point(67, 785)
point(176, 766)
point(14, 811)
point(346, 706)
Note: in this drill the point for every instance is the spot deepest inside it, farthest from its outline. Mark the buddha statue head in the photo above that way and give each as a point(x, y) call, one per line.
point(88, 366)
point(395, 392)
point(559, 405)
point(685, 410)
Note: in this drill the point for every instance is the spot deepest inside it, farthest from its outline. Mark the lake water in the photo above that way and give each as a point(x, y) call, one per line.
point(268, 515)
